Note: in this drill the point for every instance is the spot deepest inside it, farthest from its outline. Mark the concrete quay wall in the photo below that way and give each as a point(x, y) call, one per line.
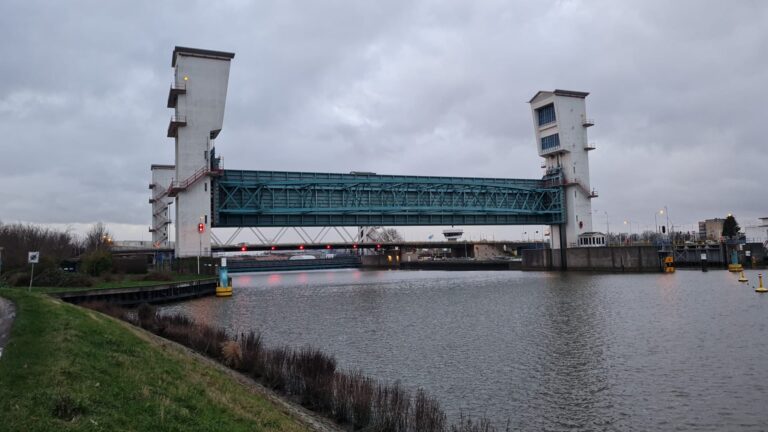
point(614, 258)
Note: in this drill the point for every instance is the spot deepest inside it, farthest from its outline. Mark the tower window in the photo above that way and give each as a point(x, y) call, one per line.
point(549, 142)
point(546, 114)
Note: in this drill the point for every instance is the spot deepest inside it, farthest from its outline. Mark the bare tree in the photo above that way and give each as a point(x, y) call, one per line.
point(390, 235)
point(19, 239)
point(98, 238)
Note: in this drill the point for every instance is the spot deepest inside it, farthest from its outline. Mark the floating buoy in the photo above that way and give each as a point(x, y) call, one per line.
point(223, 291)
point(669, 265)
point(743, 278)
point(734, 265)
point(224, 286)
point(761, 288)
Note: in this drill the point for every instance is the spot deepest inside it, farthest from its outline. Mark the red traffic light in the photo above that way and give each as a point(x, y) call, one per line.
point(243, 248)
point(274, 247)
point(378, 246)
point(354, 246)
point(327, 246)
point(200, 227)
point(301, 247)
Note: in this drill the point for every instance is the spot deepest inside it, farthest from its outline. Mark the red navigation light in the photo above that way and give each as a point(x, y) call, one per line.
point(354, 246)
point(327, 246)
point(301, 247)
point(200, 227)
point(274, 248)
point(378, 246)
point(243, 248)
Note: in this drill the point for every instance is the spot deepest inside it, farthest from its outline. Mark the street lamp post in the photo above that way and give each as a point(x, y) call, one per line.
point(664, 211)
point(629, 222)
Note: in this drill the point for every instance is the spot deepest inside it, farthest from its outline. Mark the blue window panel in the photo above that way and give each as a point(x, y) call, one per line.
point(546, 114)
point(550, 142)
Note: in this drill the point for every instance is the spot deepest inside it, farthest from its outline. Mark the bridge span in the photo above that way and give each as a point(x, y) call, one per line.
point(205, 196)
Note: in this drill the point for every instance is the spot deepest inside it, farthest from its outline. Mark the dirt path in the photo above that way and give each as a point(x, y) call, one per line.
point(7, 314)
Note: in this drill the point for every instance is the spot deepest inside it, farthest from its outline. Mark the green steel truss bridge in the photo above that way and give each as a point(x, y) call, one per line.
point(306, 199)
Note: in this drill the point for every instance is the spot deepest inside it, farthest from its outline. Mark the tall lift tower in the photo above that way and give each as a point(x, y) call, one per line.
point(197, 96)
point(560, 123)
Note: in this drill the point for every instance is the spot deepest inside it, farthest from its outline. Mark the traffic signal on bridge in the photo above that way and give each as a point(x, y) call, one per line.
point(201, 227)
point(354, 246)
point(301, 247)
point(378, 246)
point(274, 248)
point(243, 248)
point(327, 246)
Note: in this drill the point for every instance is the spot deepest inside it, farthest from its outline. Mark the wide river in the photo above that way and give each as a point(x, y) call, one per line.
point(546, 351)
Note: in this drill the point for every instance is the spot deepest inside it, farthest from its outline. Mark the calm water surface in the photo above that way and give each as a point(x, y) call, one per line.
point(548, 351)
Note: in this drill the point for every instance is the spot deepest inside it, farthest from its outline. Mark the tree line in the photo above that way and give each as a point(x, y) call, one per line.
point(55, 246)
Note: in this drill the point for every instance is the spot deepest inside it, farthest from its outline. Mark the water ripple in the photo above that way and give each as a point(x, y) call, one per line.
point(548, 351)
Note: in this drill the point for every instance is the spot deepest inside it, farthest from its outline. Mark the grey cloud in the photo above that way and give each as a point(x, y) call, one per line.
point(437, 88)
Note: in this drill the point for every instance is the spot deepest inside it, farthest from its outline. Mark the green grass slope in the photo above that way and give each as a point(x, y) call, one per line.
point(67, 368)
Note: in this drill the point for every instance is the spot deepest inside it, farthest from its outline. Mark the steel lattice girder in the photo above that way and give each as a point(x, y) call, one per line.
point(276, 198)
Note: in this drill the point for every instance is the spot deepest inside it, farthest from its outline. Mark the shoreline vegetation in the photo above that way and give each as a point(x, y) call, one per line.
point(306, 376)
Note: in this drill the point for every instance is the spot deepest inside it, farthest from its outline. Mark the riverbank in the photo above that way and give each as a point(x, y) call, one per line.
point(134, 296)
point(124, 281)
point(67, 368)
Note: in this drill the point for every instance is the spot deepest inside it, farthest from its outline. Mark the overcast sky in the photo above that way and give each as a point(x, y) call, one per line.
point(677, 89)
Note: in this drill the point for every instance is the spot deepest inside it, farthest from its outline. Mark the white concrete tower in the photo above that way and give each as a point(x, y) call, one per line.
point(560, 122)
point(162, 177)
point(198, 95)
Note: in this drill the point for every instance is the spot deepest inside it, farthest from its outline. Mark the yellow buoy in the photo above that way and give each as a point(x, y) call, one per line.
point(669, 265)
point(224, 291)
point(761, 288)
point(743, 278)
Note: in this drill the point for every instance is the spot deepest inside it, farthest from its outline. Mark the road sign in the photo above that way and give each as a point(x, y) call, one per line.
point(33, 257)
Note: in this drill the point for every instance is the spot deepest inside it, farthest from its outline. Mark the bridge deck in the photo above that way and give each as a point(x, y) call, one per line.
point(278, 198)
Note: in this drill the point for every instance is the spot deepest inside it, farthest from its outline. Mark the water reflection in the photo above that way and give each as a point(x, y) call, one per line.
point(549, 351)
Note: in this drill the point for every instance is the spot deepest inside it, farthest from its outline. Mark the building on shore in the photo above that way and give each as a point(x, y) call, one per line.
point(757, 233)
point(711, 229)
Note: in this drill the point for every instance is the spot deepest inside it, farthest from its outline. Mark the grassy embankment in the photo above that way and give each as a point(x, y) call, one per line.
point(67, 368)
